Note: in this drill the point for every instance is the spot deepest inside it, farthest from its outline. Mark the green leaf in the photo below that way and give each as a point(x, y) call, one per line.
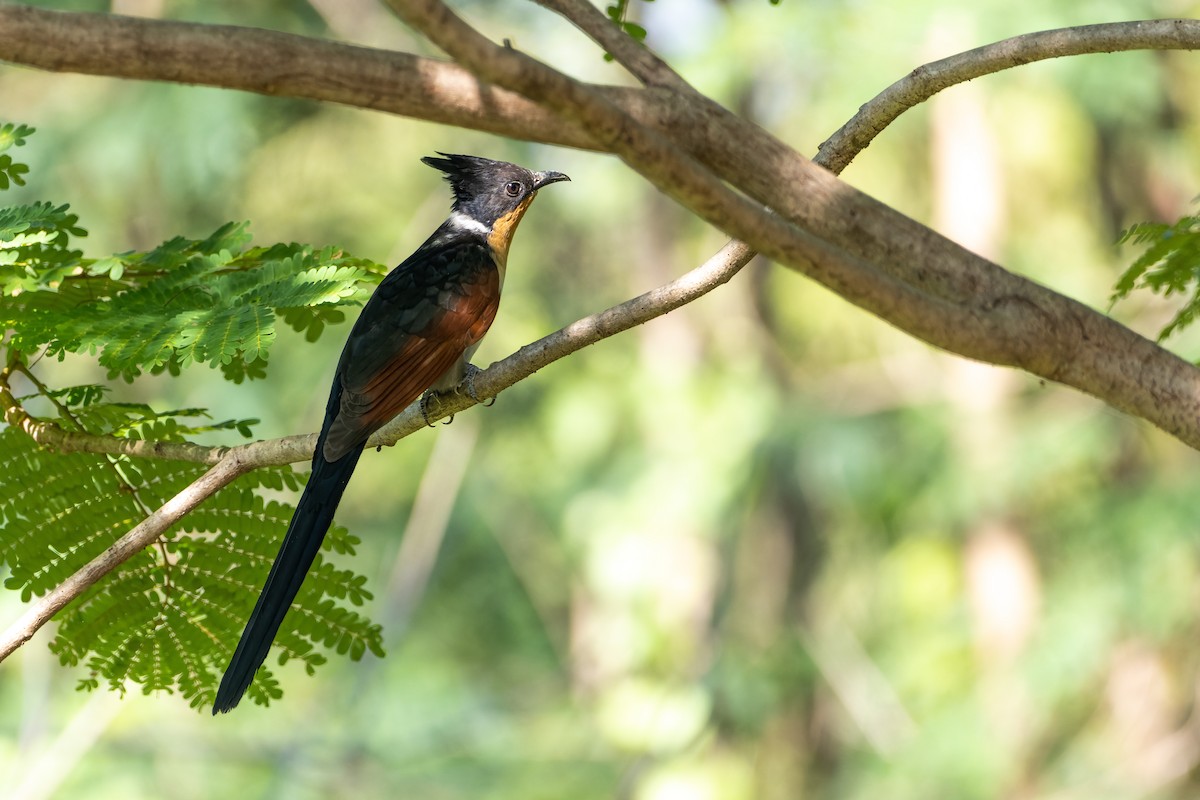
point(1168, 265)
point(13, 135)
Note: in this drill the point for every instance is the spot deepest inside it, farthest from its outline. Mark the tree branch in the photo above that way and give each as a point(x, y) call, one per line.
point(929, 79)
point(273, 63)
point(694, 284)
point(717, 270)
point(641, 62)
point(52, 437)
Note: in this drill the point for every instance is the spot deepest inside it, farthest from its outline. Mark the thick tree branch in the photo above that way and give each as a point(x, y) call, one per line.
point(927, 80)
point(273, 63)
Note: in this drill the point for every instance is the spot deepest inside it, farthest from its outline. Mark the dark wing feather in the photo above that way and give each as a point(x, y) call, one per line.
point(416, 327)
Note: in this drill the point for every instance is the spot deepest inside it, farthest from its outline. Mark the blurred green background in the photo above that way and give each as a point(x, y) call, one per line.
point(765, 547)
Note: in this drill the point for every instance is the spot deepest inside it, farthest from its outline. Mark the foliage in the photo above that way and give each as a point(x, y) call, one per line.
point(186, 301)
point(617, 13)
point(1169, 265)
point(11, 171)
point(168, 618)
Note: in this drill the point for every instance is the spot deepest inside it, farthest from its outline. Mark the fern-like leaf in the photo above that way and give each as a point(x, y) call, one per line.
point(1169, 264)
point(212, 300)
point(167, 618)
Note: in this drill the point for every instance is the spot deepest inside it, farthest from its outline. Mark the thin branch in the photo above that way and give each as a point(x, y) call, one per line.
point(641, 62)
point(927, 80)
point(714, 272)
point(52, 437)
point(694, 284)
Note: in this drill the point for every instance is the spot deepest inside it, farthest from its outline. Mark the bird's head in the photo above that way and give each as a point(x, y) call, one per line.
point(492, 194)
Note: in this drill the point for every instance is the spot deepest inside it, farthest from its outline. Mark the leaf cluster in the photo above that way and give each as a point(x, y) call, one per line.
point(213, 300)
point(10, 171)
point(1169, 265)
point(617, 12)
point(168, 618)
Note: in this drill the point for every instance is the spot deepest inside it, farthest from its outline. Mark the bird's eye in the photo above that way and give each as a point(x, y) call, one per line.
point(512, 189)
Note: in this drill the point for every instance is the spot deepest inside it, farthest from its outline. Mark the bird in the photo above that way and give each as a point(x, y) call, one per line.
point(416, 334)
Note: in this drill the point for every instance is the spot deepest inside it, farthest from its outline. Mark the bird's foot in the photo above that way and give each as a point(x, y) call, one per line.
point(467, 385)
point(424, 406)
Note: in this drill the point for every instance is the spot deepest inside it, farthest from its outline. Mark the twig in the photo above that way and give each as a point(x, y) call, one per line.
point(927, 80)
point(641, 62)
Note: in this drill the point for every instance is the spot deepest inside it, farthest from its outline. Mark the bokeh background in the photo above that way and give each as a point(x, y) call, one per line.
point(765, 547)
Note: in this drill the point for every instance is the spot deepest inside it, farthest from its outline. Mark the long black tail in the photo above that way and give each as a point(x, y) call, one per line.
point(307, 530)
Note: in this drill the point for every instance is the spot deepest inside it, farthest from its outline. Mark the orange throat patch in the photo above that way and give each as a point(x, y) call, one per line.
point(503, 229)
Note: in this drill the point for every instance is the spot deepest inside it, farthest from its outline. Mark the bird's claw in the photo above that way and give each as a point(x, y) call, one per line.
point(468, 386)
point(465, 387)
point(424, 406)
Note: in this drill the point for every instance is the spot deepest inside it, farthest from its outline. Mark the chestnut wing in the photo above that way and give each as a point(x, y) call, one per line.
point(418, 324)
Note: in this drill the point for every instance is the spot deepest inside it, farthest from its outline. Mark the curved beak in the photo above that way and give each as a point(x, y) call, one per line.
point(541, 179)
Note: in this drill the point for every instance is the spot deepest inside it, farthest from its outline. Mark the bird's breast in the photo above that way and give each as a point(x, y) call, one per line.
point(502, 232)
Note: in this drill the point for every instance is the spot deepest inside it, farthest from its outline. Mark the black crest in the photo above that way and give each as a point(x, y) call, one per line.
point(472, 176)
